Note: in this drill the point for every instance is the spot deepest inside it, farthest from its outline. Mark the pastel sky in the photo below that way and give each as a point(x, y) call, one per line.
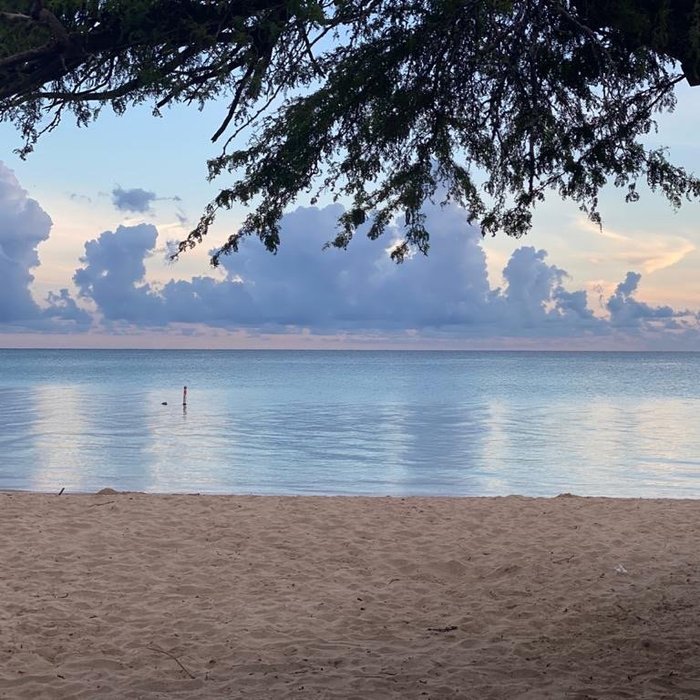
point(86, 221)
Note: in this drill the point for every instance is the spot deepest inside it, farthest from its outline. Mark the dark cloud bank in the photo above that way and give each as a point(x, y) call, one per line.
point(359, 290)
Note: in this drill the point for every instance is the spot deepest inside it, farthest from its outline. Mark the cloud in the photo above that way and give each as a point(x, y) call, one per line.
point(77, 197)
point(306, 289)
point(301, 287)
point(536, 298)
point(113, 275)
point(648, 252)
point(23, 226)
point(627, 311)
point(135, 200)
point(61, 306)
point(657, 255)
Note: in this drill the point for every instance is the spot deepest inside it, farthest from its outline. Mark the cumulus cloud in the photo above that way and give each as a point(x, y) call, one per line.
point(626, 311)
point(535, 296)
point(302, 287)
point(361, 289)
point(113, 274)
point(306, 289)
point(23, 226)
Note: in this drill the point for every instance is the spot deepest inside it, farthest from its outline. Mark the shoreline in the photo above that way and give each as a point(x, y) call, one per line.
point(371, 497)
point(123, 595)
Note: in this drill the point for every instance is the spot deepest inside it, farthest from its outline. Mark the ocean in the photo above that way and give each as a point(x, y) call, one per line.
point(364, 423)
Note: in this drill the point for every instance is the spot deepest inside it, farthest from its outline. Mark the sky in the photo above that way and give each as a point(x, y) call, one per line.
point(87, 220)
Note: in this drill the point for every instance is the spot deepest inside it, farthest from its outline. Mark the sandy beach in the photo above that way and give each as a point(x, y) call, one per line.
point(141, 596)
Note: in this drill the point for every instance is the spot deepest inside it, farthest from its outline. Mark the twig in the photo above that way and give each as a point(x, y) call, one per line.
point(449, 628)
point(94, 505)
point(63, 488)
point(563, 559)
point(242, 85)
point(175, 659)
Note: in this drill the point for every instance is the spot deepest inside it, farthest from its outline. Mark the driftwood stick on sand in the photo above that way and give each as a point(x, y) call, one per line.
point(174, 658)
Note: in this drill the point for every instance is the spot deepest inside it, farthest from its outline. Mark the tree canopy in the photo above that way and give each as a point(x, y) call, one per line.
point(385, 103)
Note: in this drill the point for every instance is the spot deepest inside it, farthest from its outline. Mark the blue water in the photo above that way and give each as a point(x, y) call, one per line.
point(398, 423)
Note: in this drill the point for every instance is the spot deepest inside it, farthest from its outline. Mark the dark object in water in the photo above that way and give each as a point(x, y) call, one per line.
point(163, 403)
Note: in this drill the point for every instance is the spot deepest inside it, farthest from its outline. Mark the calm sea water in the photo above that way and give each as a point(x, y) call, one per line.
point(452, 423)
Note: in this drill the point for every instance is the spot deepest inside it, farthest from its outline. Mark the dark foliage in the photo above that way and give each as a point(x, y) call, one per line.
point(387, 103)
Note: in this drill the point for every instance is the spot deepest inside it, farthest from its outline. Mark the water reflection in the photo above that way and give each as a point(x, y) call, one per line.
point(60, 434)
point(615, 448)
point(461, 426)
